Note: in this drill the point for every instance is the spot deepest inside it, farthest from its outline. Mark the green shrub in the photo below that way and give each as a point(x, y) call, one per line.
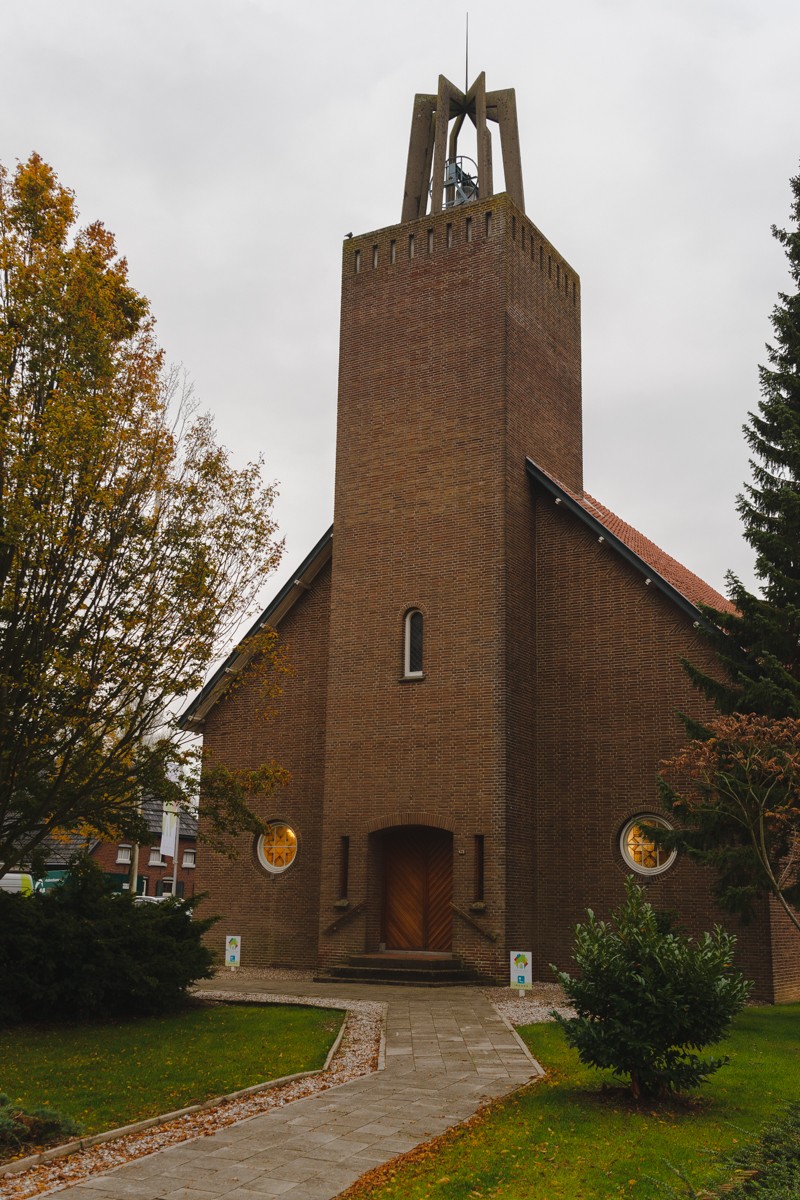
point(82, 951)
point(20, 1130)
point(648, 997)
point(769, 1168)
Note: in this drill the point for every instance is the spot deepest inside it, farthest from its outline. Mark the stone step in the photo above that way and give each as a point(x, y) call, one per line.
point(410, 969)
point(406, 958)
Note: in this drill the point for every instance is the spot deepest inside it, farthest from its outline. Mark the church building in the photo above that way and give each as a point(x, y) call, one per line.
point(486, 660)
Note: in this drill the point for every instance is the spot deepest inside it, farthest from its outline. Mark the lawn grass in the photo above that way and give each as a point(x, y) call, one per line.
point(565, 1139)
point(108, 1074)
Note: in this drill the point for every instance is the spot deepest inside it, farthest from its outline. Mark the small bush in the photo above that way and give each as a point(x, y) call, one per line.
point(84, 951)
point(648, 997)
point(21, 1130)
point(770, 1167)
point(767, 1168)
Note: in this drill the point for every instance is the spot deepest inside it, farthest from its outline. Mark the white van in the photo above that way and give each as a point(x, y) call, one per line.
point(16, 881)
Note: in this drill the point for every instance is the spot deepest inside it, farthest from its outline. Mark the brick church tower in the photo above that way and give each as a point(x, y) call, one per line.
point(486, 659)
point(459, 355)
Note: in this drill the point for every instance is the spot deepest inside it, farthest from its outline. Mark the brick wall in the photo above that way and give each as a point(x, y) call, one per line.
point(543, 421)
point(785, 947)
point(442, 321)
point(608, 687)
point(275, 915)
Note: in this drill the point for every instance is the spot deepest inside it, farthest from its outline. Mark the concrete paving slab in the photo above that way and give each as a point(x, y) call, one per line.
point(447, 1052)
point(188, 1193)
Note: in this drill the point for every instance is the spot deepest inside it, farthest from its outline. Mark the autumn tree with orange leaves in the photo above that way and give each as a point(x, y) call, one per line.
point(736, 795)
point(130, 545)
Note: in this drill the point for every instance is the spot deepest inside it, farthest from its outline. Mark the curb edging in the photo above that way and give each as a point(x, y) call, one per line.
point(19, 1165)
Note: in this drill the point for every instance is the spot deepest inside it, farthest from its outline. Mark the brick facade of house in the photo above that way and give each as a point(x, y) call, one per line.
point(157, 876)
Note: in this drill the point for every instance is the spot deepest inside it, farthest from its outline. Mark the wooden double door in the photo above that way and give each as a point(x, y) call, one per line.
point(417, 888)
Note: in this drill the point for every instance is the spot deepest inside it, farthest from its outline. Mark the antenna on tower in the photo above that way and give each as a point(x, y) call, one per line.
point(466, 59)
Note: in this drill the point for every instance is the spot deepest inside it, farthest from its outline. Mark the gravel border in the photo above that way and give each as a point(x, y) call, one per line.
point(534, 1008)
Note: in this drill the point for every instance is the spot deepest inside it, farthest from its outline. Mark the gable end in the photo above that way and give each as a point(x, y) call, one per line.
point(194, 715)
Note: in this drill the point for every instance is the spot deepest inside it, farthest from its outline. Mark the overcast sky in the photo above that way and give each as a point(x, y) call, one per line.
point(231, 144)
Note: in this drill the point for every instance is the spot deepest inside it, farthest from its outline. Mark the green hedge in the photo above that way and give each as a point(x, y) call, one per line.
point(82, 951)
point(769, 1169)
point(21, 1130)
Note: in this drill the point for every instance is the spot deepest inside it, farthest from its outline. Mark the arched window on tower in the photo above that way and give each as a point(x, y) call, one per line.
point(412, 659)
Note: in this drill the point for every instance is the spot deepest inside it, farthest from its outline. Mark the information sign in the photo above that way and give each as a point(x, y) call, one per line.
point(521, 970)
point(233, 948)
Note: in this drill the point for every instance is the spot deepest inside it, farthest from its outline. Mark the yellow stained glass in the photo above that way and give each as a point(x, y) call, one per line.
point(279, 845)
point(643, 851)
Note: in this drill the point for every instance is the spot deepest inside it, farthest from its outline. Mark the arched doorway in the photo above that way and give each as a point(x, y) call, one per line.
point(417, 888)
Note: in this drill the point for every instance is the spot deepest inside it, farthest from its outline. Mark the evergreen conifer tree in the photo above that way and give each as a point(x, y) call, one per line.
point(731, 819)
point(758, 645)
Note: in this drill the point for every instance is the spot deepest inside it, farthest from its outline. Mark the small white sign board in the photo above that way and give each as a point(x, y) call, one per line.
point(521, 967)
point(233, 949)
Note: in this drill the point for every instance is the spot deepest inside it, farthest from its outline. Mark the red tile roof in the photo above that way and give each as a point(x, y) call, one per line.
point(695, 589)
point(680, 579)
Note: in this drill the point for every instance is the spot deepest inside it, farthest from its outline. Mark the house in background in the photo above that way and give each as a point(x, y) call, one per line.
point(157, 876)
point(486, 659)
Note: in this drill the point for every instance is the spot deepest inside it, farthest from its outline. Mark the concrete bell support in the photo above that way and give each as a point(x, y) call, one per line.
point(430, 148)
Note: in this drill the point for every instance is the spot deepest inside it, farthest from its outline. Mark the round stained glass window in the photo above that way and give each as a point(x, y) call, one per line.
point(277, 847)
point(640, 851)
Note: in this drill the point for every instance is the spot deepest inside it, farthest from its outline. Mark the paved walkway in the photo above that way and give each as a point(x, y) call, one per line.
point(447, 1052)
